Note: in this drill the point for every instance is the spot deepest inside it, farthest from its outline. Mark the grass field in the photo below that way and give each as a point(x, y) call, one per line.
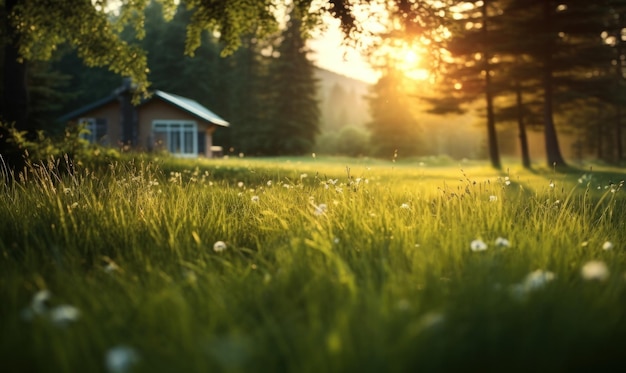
point(312, 265)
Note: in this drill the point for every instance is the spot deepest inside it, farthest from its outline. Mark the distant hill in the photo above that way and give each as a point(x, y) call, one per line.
point(342, 100)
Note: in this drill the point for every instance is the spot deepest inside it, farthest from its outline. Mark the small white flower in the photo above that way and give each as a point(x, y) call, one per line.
point(336, 240)
point(584, 243)
point(552, 184)
point(595, 270)
point(219, 246)
point(120, 359)
point(313, 155)
point(255, 199)
point(405, 206)
point(320, 209)
point(493, 198)
point(241, 155)
point(74, 205)
point(608, 245)
point(538, 279)
point(269, 183)
point(502, 242)
point(478, 245)
point(303, 176)
point(64, 314)
point(38, 305)
point(507, 182)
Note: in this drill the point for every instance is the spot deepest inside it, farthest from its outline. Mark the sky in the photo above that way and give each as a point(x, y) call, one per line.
point(330, 54)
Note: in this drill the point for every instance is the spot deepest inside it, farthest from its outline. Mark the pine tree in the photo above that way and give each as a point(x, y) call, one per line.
point(394, 129)
point(296, 114)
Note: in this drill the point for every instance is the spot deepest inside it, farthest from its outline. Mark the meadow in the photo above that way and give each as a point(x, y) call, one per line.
point(311, 265)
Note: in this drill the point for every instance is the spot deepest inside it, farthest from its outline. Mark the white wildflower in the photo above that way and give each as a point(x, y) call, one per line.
point(320, 209)
point(551, 184)
point(64, 314)
point(538, 279)
point(240, 184)
point(120, 359)
point(39, 303)
point(219, 246)
point(405, 206)
point(502, 242)
point(255, 199)
point(493, 198)
point(595, 270)
point(533, 281)
point(608, 245)
point(478, 245)
point(269, 183)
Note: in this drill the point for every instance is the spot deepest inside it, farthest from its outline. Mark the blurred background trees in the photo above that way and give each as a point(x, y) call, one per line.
point(528, 70)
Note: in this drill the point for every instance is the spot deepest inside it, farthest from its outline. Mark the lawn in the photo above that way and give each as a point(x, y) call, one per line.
point(312, 265)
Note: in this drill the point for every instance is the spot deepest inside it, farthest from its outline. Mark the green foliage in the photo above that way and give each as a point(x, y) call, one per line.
point(326, 270)
point(67, 145)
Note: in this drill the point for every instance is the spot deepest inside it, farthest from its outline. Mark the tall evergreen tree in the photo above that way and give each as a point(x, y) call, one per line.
point(394, 128)
point(296, 114)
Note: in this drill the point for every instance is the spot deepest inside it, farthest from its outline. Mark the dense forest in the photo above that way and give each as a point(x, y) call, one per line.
point(519, 67)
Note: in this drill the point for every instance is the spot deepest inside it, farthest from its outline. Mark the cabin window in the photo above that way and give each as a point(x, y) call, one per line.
point(96, 130)
point(178, 137)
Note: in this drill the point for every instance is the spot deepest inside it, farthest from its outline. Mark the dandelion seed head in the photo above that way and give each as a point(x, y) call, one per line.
point(595, 270)
point(478, 245)
point(219, 246)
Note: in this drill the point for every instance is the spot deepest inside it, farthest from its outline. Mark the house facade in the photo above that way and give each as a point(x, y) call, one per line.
point(162, 122)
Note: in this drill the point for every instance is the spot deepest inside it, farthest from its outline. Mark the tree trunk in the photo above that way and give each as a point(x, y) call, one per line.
point(523, 138)
point(14, 100)
point(553, 152)
point(492, 139)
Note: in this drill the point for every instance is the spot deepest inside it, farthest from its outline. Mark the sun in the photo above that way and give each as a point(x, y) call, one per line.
point(409, 61)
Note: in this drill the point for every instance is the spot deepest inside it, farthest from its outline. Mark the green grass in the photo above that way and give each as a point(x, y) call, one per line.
point(382, 279)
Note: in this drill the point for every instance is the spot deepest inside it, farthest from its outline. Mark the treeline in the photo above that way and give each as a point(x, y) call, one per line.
point(266, 89)
point(537, 63)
